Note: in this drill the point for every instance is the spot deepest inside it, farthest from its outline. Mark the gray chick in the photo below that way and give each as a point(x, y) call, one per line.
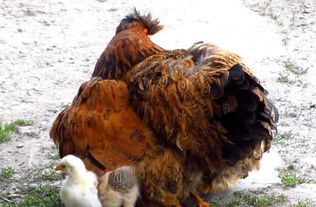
point(119, 188)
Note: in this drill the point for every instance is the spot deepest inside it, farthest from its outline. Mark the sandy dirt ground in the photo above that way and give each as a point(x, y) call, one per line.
point(48, 48)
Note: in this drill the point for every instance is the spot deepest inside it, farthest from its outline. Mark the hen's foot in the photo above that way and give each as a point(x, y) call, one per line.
point(178, 204)
point(203, 204)
point(199, 200)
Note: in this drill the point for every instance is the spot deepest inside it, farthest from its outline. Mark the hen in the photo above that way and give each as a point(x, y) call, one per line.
point(190, 121)
point(79, 189)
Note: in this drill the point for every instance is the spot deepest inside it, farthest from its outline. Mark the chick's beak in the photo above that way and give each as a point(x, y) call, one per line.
point(59, 168)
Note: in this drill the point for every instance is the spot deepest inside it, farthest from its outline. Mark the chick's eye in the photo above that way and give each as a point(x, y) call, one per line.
point(63, 166)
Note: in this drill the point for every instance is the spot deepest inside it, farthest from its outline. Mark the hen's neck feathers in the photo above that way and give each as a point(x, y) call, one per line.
point(126, 49)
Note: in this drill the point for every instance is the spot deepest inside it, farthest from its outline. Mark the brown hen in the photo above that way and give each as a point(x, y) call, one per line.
point(190, 121)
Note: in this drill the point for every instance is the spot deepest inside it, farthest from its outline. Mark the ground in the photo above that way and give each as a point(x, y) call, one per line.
point(48, 48)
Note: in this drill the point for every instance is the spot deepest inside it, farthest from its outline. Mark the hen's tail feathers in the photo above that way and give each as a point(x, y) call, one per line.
point(247, 113)
point(135, 18)
point(255, 117)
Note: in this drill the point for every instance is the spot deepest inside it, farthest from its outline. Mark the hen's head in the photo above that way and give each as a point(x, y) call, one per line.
point(135, 19)
point(69, 164)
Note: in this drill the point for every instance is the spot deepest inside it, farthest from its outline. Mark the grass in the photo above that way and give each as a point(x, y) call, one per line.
point(6, 173)
point(258, 200)
point(282, 136)
point(39, 196)
point(42, 196)
point(285, 78)
point(291, 66)
point(214, 204)
point(6, 129)
point(304, 204)
point(34, 189)
point(292, 73)
point(291, 179)
point(37, 193)
point(290, 79)
point(47, 175)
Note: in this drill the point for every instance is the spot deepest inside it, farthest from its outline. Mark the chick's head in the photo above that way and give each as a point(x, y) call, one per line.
point(69, 164)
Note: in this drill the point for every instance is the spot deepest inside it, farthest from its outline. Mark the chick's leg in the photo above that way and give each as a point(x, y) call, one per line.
point(199, 200)
point(131, 203)
point(128, 205)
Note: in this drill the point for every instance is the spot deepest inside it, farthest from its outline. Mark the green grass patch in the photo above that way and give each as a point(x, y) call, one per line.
point(42, 196)
point(33, 189)
point(305, 204)
point(47, 175)
point(292, 73)
point(6, 173)
point(39, 196)
point(260, 200)
point(282, 136)
point(6, 129)
point(213, 204)
point(285, 77)
point(291, 66)
point(37, 193)
point(291, 179)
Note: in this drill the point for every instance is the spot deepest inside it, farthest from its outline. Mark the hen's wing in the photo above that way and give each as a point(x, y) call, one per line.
point(205, 102)
point(99, 127)
point(130, 45)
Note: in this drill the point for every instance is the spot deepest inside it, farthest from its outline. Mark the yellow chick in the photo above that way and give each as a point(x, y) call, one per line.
point(119, 188)
point(79, 189)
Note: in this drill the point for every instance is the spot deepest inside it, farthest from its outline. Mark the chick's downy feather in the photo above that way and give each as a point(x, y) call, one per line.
point(79, 189)
point(119, 188)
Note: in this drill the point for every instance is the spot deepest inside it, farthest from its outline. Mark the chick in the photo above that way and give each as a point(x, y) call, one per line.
point(119, 188)
point(79, 189)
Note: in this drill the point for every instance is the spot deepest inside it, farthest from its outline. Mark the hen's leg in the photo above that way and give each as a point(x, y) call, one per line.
point(199, 200)
point(178, 204)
